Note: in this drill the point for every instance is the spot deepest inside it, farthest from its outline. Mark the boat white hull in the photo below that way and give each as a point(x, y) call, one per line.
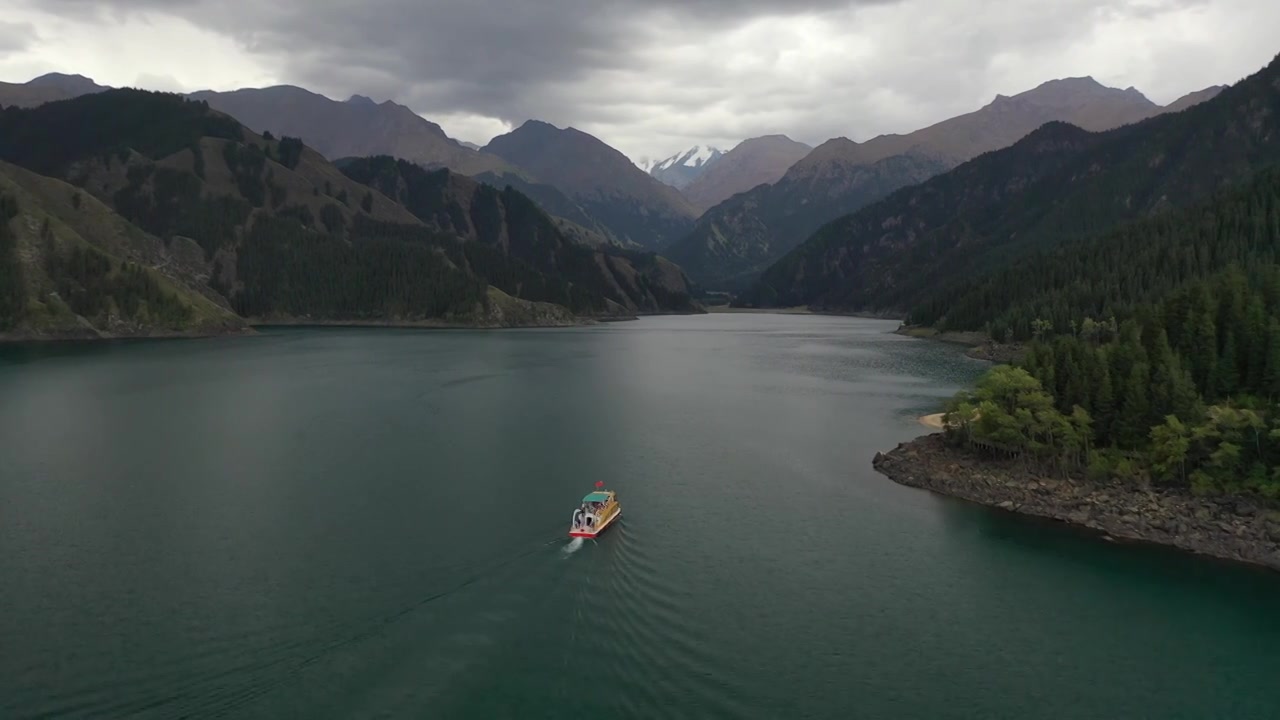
point(590, 532)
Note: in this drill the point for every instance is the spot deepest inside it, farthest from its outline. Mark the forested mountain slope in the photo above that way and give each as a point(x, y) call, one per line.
point(1058, 184)
point(1154, 354)
point(282, 234)
point(1113, 274)
point(738, 239)
point(510, 223)
point(568, 214)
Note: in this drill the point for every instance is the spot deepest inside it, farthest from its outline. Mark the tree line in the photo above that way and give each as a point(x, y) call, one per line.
point(287, 269)
point(49, 138)
point(1185, 392)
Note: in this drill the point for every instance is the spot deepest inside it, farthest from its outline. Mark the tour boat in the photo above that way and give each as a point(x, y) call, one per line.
point(598, 511)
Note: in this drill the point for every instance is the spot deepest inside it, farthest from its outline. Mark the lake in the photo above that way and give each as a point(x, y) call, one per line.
point(357, 523)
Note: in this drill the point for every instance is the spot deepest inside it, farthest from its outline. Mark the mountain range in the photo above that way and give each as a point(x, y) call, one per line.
point(357, 127)
point(934, 248)
point(592, 189)
point(130, 213)
point(737, 239)
point(761, 199)
point(360, 127)
point(598, 198)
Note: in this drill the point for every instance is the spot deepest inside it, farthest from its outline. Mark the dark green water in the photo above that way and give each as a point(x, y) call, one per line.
point(358, 524)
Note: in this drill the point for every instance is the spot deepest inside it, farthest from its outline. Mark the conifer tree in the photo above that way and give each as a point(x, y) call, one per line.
point(1227, 376)
point(1256, 339)
point(1132, 423)
point(1271, 379)
point(1104, 404)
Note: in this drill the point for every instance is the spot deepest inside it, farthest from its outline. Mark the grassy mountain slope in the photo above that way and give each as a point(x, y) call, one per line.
point(1057, 184)
point(72, 267)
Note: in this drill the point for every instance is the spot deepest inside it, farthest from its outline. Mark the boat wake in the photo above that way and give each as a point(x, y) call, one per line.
point(573, 547)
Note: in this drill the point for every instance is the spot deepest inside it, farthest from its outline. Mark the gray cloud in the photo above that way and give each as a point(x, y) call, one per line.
point(493, 57)
point(15, 37)
point(653, 75)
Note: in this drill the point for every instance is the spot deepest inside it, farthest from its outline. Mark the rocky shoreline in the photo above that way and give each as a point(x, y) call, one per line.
point(430, 324)
point(1239, 529)
point(68, 337)
point(980, 346)
point(544, 317)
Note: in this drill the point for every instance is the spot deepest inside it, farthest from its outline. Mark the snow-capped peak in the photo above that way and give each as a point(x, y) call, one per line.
point(680, 169)
point(695, 157)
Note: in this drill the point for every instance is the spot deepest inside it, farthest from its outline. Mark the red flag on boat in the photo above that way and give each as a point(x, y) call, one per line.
point(599, 483)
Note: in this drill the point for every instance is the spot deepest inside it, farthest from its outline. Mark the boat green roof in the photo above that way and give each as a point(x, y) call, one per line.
point(596, 497)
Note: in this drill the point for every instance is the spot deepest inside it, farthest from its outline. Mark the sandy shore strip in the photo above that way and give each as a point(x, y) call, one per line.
point(934, 421)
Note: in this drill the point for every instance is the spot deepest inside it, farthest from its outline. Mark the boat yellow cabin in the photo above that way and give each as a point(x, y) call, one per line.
point(598, 511)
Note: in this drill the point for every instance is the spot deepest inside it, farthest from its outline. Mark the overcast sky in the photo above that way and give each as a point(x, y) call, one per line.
point(649, 77)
